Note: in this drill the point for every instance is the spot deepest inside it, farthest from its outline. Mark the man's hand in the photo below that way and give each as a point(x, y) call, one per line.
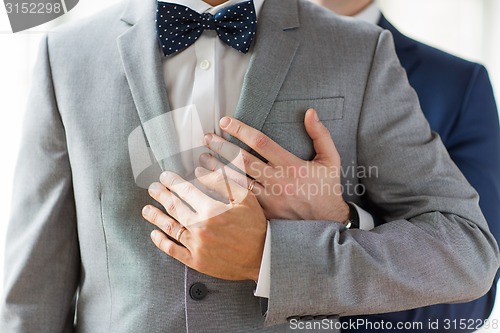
point(221, 240)
point(286, 187)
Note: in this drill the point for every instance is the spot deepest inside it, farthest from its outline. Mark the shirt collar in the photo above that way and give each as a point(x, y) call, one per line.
point(200, 6)
point(370, 14)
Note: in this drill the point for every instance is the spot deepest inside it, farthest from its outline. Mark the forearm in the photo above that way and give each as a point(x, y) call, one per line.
point(358, 272)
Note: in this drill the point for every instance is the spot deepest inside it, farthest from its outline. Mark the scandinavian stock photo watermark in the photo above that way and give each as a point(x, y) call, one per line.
point(363, 324)
point(310, 180)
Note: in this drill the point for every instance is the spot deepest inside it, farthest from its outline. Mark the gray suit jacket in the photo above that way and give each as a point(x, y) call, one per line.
point(77, 224)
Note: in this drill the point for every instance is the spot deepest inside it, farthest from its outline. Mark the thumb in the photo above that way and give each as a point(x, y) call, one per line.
point(326, 152)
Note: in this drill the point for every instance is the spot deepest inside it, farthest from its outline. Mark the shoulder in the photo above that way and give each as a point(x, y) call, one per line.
point(427, 59)
point(338, 33)
point(454, 77)
point(445, 62)
point(316, 17)
point(89, 33)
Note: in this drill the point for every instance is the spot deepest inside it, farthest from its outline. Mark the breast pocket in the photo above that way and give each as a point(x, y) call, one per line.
point(285, 122)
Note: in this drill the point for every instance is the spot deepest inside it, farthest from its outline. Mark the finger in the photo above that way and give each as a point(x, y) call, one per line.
point(173, 205)
point(167, 224)
point(221, 184)
point(258, 141)
point(213, 164)
point(326, 152)
point(168, 246)
point(208, 192)
point(240, 158)
point(185, 190)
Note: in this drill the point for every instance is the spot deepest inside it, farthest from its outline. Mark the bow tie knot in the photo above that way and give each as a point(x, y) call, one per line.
point(209, 22)
point(178, 26)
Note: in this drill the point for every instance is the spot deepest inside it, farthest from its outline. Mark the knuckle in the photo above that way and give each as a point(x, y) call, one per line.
point(170, 180)
point(217, 146)
point(173, 181)
point(184, 188)
point(163, 197)
point(154, 216)
point(247, 161)
point(170, 207)
point(237, 128)
point(161, 244)
point(220, 146)
point(203, 234)
point(169, 249)
point(324, 131)
point(210, 162)
point(261, 140)
point(168, 228)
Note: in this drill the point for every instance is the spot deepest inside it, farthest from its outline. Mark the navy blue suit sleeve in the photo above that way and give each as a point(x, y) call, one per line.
point(474, 145)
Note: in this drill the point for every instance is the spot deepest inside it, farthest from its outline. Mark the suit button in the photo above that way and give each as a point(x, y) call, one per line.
point(198, 291)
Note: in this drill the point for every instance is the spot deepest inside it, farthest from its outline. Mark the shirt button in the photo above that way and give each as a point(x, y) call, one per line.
point(205, 64)
point(198, 291)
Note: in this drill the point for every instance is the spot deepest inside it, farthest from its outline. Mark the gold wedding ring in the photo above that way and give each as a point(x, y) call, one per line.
point(179, 234)
point(251, 185)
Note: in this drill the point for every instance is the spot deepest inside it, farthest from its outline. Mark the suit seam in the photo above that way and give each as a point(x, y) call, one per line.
point(365, 91)
point(53, 88)
point(107, 263)
point(70, 188)
point(468, 93)
point(67, 264)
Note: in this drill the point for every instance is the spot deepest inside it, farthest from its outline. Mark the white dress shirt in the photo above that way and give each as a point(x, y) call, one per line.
point(370, 14)
point(204, 84)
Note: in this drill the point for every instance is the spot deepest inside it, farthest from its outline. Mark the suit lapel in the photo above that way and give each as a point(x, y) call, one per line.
point(273, 52)
point(142, 62)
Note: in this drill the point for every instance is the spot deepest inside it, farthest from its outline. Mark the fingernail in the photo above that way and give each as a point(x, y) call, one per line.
point(199, 171)
point(204, 158)
point(146, 211)
point(154, 236)
point(164, 177)
point(155, 187)
point(315, 115)
point(224, 122)
point(207, 139)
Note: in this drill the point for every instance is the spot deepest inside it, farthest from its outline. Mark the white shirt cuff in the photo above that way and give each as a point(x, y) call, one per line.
point(263, 288)
point(365, 219)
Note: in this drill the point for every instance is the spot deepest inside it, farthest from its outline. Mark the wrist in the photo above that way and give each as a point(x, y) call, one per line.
point(344, 213)
point(353, 221)
point(254, 275)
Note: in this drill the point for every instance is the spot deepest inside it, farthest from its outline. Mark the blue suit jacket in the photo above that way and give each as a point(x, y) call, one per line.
point(457, 98)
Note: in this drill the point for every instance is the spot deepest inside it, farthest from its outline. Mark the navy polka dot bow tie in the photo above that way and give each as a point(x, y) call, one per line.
point(179, 26)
